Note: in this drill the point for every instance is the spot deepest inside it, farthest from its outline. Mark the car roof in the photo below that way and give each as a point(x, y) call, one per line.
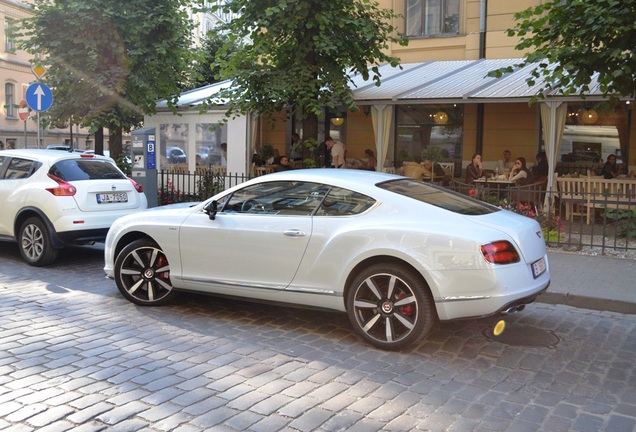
point(50, 155)
point(346, 178)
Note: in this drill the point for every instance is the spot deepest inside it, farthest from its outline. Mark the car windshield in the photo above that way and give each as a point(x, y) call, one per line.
point(438, 197)
point(85, 169)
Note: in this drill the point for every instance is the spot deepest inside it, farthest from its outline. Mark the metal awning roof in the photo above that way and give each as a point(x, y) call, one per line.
point(460, 81)
point(197, 96)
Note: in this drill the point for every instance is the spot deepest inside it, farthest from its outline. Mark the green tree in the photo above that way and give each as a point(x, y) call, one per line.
point(109, 61)
point(571, 40)
point(206, 70)
point(299, 55)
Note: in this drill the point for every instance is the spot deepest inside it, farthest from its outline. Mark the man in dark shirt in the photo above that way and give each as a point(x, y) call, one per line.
point(283, 165)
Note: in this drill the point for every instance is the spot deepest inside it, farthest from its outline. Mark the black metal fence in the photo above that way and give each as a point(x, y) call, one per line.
point(600, 221)
point(610, 227)
point(182, 186)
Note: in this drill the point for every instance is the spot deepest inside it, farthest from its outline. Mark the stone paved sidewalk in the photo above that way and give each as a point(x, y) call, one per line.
point(74, 355)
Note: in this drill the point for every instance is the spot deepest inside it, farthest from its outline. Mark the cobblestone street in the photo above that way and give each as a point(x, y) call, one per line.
point(75, 355)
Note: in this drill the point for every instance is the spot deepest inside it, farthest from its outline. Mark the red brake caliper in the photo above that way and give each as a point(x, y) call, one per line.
point(161, 261)
point(407, 310)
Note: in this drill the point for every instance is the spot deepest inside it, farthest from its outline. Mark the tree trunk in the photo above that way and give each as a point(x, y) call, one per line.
point(310, 127)
point(115, 141)
point(99, 141)
point(310, 132)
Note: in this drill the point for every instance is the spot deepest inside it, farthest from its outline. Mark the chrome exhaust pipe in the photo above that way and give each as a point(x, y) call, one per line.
point(513, 309)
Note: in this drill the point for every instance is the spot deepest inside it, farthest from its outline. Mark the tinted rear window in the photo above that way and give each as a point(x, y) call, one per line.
point(439, 197)
point(85, 169)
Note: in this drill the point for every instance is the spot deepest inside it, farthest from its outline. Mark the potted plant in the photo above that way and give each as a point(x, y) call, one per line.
point(265, 152)
point(310, 145)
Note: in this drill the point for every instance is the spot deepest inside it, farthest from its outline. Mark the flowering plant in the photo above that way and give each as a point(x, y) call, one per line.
point(549, 222)
point(169, 195)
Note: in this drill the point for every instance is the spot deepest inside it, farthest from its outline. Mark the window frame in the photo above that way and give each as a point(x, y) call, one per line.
point(280, 198)
point(445, 27)
point(9, 41)
point(19, 168)
point(295, 198)
point(9, 100)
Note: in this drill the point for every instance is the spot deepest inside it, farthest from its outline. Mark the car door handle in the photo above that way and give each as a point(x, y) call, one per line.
point(294, 233)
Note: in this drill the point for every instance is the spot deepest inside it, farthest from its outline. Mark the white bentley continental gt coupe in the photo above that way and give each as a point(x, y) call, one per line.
point(395, 254)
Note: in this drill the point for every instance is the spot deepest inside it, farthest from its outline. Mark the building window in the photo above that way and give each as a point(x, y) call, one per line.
point(432, 17)
point(420, 129)
point(9, 99)
point(9, 41)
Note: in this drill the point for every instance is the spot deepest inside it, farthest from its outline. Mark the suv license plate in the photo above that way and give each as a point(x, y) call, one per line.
point(112, 198)
point(538, 268)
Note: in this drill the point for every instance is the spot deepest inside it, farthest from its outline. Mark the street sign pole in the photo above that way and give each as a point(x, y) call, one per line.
point(23, 113)
point(39, 98)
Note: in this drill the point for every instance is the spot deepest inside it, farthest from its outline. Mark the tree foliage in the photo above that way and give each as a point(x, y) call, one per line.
point(205, 69)
point(109, 61)
point(300, 54)
point(571, 40)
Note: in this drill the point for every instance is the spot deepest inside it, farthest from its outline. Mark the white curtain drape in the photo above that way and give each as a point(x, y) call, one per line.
point(553, 116)
point(382, 116)
point(253, 139)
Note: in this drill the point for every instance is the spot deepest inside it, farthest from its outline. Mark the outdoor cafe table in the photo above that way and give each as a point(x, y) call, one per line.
point(498, 186)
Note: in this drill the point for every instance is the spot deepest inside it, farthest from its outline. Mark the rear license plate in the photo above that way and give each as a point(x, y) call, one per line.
point(112, 198)
point(538, 268)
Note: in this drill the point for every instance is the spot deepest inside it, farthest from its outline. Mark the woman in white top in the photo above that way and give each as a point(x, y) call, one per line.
point(519, 173)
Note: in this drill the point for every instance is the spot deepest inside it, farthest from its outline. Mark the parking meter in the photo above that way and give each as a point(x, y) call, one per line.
point(143, 154)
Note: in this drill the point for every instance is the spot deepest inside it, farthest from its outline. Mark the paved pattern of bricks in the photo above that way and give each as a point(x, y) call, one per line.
point(74, 355)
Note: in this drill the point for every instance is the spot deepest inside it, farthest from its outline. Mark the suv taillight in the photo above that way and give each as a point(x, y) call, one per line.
point(500, 252)
point(63, 188)
point(139, 188)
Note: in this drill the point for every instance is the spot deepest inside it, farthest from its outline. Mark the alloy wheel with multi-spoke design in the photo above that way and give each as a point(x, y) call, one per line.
point(35, 243)
point(142, 273)
point(388, 307)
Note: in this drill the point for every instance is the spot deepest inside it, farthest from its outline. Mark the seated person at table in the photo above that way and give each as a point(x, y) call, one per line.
point(473, 170)
point(505, 163)
point(438, 172)
point(540, 170)
point(610, 169)
point(519, 173)
point(371, 160)
point(283, 164)
point(416, 170)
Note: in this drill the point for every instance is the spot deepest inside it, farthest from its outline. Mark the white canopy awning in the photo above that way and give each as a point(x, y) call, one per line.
point(434, 82)
point(462, 81)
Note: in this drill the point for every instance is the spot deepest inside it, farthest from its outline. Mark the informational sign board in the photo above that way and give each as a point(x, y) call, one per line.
point(151, 152)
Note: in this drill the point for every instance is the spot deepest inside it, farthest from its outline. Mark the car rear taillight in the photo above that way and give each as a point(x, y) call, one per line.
point(63, 188)
point(87, 155)
point(139, 188)
point(500, 252)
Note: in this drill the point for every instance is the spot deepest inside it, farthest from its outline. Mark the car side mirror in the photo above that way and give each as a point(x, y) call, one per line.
point(211, 209)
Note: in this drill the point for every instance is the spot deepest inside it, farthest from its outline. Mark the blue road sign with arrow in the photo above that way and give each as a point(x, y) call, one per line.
point(39, 97)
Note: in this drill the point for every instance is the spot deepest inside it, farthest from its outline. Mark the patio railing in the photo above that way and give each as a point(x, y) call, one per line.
point(612, 226)
point(182, 186)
